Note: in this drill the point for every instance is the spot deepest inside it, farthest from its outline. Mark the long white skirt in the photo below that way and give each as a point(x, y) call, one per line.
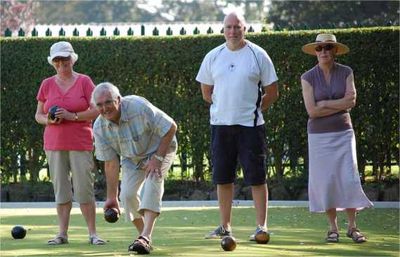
point(334, 180)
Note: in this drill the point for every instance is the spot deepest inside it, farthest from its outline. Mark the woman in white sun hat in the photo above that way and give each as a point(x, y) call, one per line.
point(68, 139)
point(329, 94)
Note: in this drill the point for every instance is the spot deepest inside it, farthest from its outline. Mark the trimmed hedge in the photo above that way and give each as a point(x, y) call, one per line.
point(163, 69)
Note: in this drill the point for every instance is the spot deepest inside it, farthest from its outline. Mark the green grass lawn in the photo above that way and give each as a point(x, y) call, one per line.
point(180, 232)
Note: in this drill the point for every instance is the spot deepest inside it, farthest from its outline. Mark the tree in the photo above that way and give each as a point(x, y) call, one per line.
point(207, 10)
point(83, 12)
point(186, 11)
point(316, 14)
point(15, 15)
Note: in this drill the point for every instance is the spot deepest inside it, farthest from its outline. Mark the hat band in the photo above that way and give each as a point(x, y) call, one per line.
point(67, 51)
point(325, 41)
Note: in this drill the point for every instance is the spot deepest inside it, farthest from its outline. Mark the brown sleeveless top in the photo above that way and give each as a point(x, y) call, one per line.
point(323, 91)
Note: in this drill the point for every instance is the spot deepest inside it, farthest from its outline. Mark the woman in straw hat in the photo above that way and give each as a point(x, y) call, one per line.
point(329, 94)
point(68, 139)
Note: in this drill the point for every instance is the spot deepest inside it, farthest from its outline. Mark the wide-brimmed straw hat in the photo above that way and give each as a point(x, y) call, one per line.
point(62, 49)
point(325, 39)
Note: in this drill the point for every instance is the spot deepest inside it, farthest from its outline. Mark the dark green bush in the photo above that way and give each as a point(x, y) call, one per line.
point(163, 69)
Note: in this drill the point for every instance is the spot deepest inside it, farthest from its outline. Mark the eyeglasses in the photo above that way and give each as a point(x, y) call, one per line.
point(61, 59)
point(326, 47)
point(107, 104)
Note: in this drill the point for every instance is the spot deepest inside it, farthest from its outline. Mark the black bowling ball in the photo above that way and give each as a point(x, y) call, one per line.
point(52, 112)
point(18, 232)
point(111, 215)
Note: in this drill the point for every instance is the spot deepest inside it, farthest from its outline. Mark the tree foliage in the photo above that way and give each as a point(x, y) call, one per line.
point(326, 14)
point(81, 12)
point(283, 14)
point(16, 14)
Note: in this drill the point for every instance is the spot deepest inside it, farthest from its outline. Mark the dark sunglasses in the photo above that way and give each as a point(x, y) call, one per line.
point(326, 47)
point(61, 59)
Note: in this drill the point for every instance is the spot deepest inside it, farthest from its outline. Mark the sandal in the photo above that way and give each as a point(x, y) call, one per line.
point(58, 240)
point(356, 235)
point(141, 245)
point(332, 237)
point(95, 240)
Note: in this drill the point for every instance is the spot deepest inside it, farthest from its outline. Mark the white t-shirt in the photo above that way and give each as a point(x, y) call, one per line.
point(235, 76)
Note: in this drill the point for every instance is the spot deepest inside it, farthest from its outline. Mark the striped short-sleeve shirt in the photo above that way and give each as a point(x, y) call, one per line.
point(138, 134)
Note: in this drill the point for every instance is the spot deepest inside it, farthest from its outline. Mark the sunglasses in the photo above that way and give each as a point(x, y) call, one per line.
point(326, 47)
point(61, 59)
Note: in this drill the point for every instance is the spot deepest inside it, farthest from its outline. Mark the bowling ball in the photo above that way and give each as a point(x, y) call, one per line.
point(228, 243)
point(52, 112)
point(18, 232)
point(111, 215)
point(262, 237)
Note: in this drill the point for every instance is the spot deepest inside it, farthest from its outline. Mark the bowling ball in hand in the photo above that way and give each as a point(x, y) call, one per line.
point(228, 243)
point(111, 215)
point(52, 112)
point(18, 232)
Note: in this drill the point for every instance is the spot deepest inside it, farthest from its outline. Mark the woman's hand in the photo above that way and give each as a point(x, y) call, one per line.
point(54, 122)
point(64, 114)
point(322, 104)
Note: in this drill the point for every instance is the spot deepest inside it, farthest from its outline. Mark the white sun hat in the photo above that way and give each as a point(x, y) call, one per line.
point(62, 49)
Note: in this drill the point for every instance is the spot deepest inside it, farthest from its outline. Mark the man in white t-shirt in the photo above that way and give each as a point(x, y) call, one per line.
point(239, 80)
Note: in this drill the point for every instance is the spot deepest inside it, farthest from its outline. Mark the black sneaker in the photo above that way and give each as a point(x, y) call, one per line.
point(219, 232)
point(141, 245)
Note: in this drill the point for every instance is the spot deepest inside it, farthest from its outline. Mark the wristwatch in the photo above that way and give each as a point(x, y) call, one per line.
point(158, 157)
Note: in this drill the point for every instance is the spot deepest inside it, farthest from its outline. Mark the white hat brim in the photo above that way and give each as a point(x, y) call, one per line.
point(74, 56)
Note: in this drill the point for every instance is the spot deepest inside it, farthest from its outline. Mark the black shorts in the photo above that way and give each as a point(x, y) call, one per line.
point(230, 144)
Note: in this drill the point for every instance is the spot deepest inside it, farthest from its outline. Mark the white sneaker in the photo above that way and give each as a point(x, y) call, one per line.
point(219, 232)
point(259, 229)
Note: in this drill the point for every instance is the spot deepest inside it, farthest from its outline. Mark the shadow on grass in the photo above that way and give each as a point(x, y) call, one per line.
point(294, 232)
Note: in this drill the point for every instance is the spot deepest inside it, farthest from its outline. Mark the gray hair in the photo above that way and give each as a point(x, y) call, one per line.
point(105, 87)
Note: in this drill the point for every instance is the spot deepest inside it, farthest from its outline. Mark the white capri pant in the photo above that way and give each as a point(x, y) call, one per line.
point(139, 194)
